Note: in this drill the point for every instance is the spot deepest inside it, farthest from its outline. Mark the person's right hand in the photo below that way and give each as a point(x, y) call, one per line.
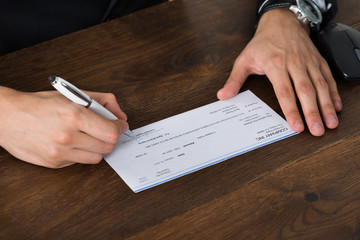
point(47, 129)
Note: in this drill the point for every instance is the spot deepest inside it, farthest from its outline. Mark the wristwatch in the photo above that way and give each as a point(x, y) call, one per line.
point(307, 11)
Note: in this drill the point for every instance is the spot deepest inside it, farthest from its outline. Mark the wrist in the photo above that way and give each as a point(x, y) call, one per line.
point(5, 105)
point(308, 12)
point(281, 17)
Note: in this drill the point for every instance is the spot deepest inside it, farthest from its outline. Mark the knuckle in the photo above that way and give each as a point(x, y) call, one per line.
point(278, 61)
point(321, 83)
point(313, 115)
point(292, 113)
point(110, 96)
point(108, 148)
point(112, 135)
point(305, 89)
point(328, 108)
point(63, 138)
point(314, 60)
point(297, 60)
point(285, 93)
point(53, 153)
point(237, 61)
point(71, 114)
point(54, 165)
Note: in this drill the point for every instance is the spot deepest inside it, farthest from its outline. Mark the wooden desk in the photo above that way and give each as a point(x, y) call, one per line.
point(160, 62)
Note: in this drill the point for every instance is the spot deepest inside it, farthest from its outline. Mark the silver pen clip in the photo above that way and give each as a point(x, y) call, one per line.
point(79, 94)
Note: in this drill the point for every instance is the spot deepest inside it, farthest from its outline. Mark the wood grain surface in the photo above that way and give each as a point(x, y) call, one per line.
point(163, 61)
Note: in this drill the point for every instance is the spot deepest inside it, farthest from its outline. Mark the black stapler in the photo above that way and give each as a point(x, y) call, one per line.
point(339, 44)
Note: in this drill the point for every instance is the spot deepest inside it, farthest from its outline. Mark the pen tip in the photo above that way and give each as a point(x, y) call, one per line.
point(51, 78)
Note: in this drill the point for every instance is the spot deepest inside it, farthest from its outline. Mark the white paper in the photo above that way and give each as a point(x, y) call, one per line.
point(193, 140)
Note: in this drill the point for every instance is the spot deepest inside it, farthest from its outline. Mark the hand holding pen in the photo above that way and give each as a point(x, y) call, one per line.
point(46, 129)
point(77, 96)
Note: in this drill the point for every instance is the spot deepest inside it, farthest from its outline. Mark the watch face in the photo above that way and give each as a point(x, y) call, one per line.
point(311, 10)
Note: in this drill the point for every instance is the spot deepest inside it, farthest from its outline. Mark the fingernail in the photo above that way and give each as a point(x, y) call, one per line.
point(125, 127)
point(298, 126)
point(331, 121)
point(317, 128)
point(338, 105)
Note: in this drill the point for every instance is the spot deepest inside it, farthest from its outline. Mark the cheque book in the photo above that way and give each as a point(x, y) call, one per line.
point(196, 139)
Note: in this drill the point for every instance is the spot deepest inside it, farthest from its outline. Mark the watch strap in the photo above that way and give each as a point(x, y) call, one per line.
point(267, 5)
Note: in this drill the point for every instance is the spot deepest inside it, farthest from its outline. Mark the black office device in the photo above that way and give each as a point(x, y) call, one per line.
point(339, 44)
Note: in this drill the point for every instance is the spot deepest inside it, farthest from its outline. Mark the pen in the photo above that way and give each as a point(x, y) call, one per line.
point(79, 97)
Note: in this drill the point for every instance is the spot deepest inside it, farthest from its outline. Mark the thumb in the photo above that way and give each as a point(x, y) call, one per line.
point(236, 79)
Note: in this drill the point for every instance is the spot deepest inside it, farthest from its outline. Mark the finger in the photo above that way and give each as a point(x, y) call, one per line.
point(85, 157)
point(284, 92)
point(236, 79)
point(85, 142)
point(66, 153)
point(324, 100)
point(334, 93)
point(108, 100)
point(98, 127)
point(308, 100)
point(75, 156)
point(35, 157)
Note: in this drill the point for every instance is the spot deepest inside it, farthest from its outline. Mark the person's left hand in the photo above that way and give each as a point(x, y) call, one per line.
point(283, 51)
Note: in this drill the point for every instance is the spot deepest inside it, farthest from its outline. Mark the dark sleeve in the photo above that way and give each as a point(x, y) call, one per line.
point(24, 23)
point(124, 7)
point(327, 16)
